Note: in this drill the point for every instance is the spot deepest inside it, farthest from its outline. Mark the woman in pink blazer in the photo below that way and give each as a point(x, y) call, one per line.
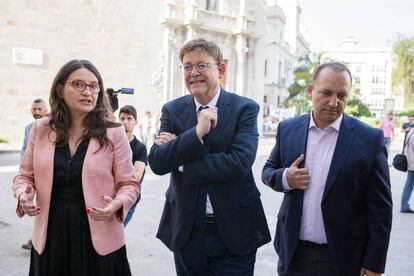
point(77, 179)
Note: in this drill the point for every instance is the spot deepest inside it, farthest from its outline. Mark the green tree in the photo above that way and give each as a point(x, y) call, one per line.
point(355, 106)
point(403, 73)
point(3, 140)
point(301, 79)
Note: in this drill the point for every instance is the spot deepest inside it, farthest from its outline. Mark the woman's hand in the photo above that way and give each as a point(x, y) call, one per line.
point(106, 213)
point(26, 202)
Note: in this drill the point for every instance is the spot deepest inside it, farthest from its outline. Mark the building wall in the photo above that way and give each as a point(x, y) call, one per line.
point(123, 39)
point(371, 69)
point(284, 43)
point(133, 43)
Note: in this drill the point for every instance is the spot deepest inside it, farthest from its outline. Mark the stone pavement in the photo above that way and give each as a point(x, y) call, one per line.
point(149, 257)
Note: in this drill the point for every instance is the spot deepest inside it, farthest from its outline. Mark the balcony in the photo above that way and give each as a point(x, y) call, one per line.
point(177, 14)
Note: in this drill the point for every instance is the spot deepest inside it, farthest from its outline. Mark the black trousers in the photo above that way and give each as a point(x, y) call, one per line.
point(311, 261)
point(205, 254)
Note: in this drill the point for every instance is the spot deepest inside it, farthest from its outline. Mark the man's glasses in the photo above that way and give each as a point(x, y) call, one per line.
point(200, 67)
point(80, 86)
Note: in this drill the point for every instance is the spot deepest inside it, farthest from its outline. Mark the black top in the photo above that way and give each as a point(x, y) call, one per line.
point(67, 174)
point(139, 151)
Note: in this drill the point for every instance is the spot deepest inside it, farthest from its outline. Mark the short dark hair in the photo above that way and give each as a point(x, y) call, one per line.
point(336, 66)
point(39, 100)
point(202, 45)
point(130, 110)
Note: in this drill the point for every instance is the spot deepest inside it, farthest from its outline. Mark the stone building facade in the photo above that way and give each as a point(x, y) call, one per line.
point(134, 44)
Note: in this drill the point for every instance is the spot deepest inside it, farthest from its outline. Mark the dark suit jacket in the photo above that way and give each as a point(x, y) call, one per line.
point(223, 163)
point(356, 204)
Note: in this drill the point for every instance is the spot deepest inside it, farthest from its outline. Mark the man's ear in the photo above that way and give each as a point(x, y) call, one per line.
point(309, 91)
point(222, 69)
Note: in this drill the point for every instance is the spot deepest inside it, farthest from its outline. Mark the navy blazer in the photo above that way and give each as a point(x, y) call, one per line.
point(223, 163)
point(356, 204)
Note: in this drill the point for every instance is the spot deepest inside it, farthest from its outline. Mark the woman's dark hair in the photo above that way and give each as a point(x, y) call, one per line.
point(95, 123)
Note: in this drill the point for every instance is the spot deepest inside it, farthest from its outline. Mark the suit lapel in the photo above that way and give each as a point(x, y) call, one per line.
point(224, 108)
point(300, 137)
point(45, 155)
point(342, 150)
point(188, 115)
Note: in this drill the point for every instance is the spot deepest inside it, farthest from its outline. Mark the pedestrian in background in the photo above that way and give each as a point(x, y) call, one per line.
point(407, 126)
point(78, 165)
point(387, 125)
point(128, 118)
point(409, 183)
point(145, 125)
point(38, 110)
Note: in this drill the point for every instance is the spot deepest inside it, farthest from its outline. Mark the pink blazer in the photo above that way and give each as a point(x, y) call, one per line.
point(106, 172)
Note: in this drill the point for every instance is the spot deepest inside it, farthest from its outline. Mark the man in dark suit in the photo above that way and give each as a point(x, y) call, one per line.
point(335, 218)
point(213, 217)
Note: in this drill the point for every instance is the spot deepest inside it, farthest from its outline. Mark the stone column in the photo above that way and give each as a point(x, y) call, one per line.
point(241, 69)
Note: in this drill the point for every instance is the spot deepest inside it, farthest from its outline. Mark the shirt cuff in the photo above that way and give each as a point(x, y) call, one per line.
point(285, 184)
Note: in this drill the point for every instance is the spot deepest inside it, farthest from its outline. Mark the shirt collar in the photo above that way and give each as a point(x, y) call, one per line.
point(335, 124)
point(212, 103)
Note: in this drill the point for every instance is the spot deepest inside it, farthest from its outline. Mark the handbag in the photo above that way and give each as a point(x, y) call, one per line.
point(400, 160)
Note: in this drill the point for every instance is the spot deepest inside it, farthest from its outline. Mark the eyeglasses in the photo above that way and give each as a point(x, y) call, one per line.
point(200, 67)
point(80, 86)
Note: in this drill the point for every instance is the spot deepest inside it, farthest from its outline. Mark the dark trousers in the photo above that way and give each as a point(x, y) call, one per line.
point(205, 254)
point(311, 261)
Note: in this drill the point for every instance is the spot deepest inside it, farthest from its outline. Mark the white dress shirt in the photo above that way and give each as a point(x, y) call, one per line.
point(212, 103)
point(320, 148)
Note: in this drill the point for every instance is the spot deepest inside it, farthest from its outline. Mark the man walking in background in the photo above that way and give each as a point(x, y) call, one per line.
point(387, 125)
point(39, 109)
point(406, 127)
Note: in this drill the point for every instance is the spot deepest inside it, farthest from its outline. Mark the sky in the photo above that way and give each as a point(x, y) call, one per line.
point(376, 23)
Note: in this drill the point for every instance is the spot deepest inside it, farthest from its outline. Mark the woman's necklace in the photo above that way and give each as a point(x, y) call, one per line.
point(75, 138)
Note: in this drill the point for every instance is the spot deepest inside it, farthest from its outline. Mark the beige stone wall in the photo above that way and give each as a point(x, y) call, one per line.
point(122, 38)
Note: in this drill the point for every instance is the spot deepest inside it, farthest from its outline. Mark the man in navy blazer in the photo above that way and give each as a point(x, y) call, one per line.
point(213, 217)
point(335, 218)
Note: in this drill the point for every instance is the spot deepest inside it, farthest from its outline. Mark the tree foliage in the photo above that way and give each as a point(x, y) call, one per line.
point(302, 78)
point(403, 73)
point(356, 107)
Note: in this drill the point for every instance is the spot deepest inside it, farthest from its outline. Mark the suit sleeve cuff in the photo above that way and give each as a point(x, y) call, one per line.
point(285, 184)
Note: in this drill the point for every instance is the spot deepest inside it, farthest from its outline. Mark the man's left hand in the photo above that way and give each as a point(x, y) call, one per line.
point(366, 272)
point(164, 137)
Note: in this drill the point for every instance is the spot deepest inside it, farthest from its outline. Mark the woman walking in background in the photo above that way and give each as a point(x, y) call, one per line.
point(78, 165)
